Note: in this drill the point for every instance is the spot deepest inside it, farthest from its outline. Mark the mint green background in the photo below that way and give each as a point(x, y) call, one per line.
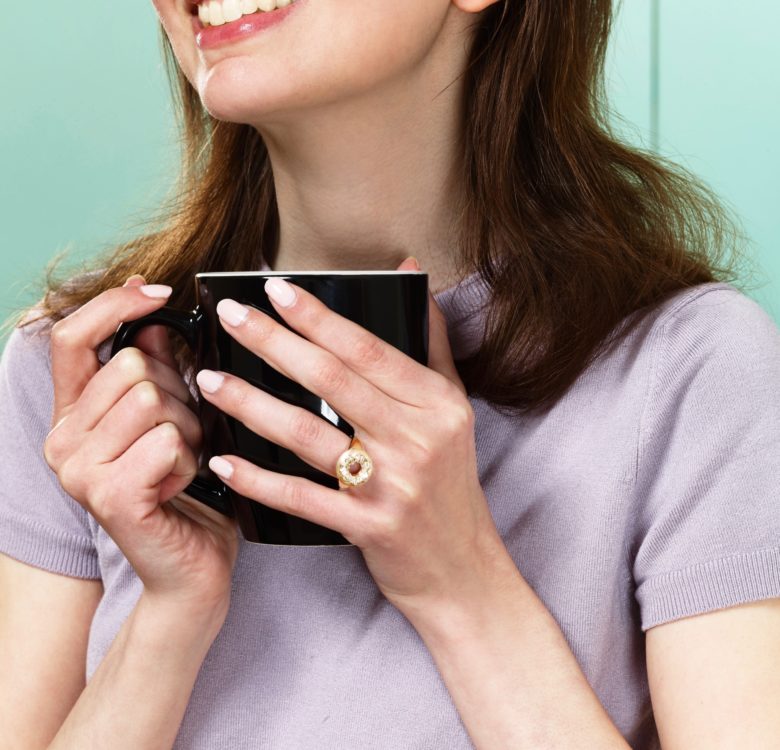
point(87, 142)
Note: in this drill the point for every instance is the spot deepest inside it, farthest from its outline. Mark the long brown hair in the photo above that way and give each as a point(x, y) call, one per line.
point(572, 229)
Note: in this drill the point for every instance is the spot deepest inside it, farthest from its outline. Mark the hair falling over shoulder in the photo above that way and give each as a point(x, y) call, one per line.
point(573, 229)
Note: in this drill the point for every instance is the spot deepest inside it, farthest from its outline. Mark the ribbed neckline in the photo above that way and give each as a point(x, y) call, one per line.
point(463, 299)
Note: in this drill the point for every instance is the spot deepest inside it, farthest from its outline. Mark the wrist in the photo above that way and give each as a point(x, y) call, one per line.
point(468, 607)
point(193, 624)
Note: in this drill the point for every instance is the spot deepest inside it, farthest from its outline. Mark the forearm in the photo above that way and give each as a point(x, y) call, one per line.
point(510, 672)
point(138, 694)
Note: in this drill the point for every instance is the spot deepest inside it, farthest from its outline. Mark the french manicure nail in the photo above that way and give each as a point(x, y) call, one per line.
point(232, 312)
point(209, 381)
point(158, 291)
point(280, 292)
point(221, 467)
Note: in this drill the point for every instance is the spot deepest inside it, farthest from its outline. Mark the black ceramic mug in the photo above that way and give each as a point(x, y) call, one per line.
point(391, 304)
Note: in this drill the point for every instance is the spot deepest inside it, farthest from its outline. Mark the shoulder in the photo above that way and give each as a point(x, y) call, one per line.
point(27, 347)
point(712, 380)
point(712, 332)
point(716, 314)
point(28, 343)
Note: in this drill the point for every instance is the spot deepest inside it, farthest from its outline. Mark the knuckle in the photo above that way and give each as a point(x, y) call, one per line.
point(50, 454)
point(310, 317)
point(61, 336)
point(70, 476)
point(422, 452)
point(262, 328)
point(132, 363)
point(459, 419)
point(368, 350)
point(147, 396)
point(170, 437)
point(330, 377)
point(238, 396)
point(407, 492)
point(295, 494)
point(385, 530)
point(306, 429)
point(53, 450)
point(104, 505)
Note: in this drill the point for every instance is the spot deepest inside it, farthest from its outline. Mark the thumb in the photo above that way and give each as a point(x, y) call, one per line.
point(153, 340)
point(440, 356)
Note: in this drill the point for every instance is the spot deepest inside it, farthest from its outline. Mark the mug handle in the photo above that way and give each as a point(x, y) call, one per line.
point(188, 324)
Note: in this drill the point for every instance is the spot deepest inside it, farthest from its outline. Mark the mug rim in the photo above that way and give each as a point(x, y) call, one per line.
point(309, 273)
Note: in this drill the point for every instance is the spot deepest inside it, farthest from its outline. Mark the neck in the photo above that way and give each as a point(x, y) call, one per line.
point(365, 184)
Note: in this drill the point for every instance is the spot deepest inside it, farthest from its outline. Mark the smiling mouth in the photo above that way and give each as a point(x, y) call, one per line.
point(219, 12)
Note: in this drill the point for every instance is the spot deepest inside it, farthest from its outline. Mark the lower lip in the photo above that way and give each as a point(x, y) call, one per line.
point(207, 37)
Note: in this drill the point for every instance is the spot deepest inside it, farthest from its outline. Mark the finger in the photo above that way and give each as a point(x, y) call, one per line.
point(75, 339)
point(135, 280)
point(380, 363)
point(316, 369)
point(160, 462)
point(339, 510)
point(142, 408)
point(153, 340)
point(310, 437)
point(123, 371)
point(409, 264)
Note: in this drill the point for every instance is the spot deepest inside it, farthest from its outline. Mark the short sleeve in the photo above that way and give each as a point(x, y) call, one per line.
point(40, 524)
point(708, 465)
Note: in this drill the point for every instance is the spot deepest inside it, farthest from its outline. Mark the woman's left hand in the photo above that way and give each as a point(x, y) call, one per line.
point(421, 520)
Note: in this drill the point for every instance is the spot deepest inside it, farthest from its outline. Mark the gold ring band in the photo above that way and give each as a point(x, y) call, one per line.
point(354, 466)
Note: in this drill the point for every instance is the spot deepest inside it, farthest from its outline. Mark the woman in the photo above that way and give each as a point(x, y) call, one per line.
point(570, 538)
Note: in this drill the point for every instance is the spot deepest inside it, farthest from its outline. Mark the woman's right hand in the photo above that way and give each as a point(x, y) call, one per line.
point(124, 444)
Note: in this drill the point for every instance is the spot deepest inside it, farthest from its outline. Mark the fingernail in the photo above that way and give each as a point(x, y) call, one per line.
point(280, 292)
point(416, 262)
point(221, 467)
point(156, 290)
point(209, 381)
point(231, 312)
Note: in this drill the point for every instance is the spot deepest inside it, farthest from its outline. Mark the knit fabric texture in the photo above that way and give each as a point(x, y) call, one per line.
point(649, 492)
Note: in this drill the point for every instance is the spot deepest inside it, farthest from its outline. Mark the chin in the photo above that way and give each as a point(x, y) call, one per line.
point(237, 92)
point(243, 91)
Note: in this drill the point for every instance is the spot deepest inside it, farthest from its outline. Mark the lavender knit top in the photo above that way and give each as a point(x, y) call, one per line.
point(648, 493)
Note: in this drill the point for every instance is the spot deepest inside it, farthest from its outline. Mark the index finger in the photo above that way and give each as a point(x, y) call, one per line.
point(398, 375)
point(75, 339)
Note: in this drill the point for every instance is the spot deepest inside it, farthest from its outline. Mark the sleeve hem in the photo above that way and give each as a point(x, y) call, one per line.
point(737, 579)
point(36, 544)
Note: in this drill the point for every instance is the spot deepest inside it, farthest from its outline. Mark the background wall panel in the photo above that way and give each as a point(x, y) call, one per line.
point(86, 137)
point(629, 71)
point(719, 112)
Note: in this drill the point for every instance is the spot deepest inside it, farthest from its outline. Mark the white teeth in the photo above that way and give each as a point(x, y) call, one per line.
point(218, 12)
point(231, 10)
point(215, 13)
